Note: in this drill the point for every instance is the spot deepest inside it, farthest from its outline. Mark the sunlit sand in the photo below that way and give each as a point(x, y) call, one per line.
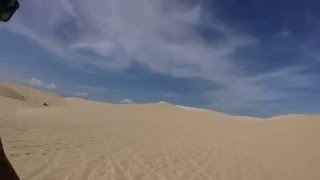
point(76, 139)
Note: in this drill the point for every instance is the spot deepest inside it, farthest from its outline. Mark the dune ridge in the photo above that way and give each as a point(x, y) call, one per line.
point(9, 93)
point(72, 138)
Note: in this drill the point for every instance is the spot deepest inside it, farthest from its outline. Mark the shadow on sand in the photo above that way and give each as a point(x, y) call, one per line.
point(7, 171)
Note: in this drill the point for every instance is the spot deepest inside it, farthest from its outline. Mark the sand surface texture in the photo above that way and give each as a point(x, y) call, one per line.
point(78, 139)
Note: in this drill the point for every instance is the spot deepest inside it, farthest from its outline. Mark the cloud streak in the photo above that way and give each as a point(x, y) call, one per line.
point(41, 84)
point(127, 101)
point(82, 94)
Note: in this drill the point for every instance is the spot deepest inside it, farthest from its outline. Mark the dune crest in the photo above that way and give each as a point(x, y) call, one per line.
point(72, 138)
point(7, 92)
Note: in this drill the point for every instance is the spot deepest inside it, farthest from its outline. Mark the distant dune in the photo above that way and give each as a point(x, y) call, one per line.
point(46, 136)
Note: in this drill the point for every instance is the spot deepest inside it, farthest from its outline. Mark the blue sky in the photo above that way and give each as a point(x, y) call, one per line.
point(256, 58)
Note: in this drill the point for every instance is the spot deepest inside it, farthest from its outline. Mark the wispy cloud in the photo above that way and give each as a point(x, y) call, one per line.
point(117, 32)
point(82, 94)
point(127, 101)
point(36, 82)
point(41, 84)
point(50, 86)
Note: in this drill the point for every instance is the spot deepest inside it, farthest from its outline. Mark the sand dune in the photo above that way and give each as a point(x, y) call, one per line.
point(78, 139)
point(10, 93)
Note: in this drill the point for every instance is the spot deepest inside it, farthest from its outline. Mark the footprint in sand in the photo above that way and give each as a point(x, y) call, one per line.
point(22, 146)
point(15, 155)
point(30, 153)
point(13, 141)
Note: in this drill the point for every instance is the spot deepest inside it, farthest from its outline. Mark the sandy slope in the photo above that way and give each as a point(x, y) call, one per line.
point(78, 139)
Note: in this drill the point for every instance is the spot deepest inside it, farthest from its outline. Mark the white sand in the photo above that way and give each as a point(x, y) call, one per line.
point(79, 139)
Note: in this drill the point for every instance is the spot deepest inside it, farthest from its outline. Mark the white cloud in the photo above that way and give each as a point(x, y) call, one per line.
point(41, 84)
point(36, 82)
point(127, 101)
point(143, 30)
point(82, 94)
point(50, 86)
